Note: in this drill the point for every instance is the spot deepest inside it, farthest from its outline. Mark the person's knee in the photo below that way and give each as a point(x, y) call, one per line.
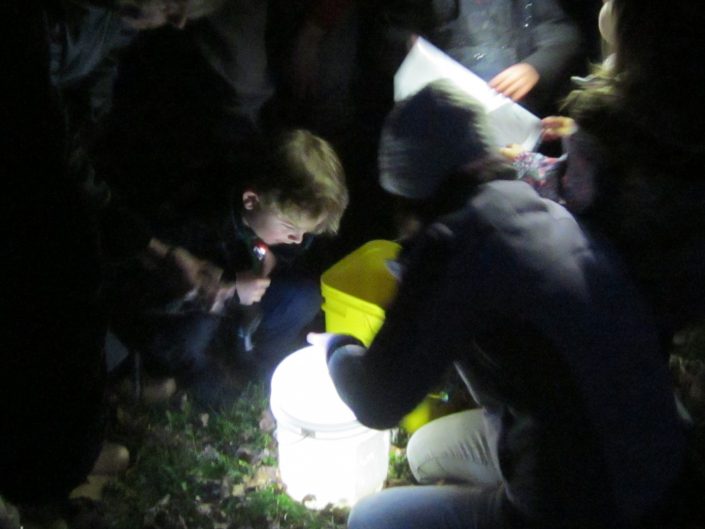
point(415, 463)
point(410, 507)
point(429, 444)
point(366, 514)
point(453, 447)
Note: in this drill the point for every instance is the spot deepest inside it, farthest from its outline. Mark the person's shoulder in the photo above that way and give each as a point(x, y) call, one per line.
point(507, 202)
point(511, 217)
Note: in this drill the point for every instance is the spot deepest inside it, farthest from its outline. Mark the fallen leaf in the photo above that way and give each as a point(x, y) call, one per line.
point(238, 490)
point(263, 476)
point(267, 423)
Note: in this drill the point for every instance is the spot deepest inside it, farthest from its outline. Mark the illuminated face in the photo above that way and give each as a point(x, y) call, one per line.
point(150, 14)
point(272, 226)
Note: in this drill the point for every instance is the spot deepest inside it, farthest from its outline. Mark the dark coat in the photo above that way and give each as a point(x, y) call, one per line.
point(555, 343)
point(488, 36)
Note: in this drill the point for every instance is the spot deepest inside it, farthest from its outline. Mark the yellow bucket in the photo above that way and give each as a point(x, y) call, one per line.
point(357, 290)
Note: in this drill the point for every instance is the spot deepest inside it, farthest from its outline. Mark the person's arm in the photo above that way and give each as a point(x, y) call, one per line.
point(416, 345)
point(186, 274)
point(516, 81)
point(557, 43)
point(250, 287)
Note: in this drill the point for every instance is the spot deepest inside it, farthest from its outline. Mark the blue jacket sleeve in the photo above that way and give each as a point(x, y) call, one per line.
point(413, 349)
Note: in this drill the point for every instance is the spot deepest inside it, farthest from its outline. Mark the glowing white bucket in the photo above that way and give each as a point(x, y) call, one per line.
point(324, 453)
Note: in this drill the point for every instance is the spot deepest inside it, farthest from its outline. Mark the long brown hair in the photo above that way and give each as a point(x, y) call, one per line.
point(648, 115)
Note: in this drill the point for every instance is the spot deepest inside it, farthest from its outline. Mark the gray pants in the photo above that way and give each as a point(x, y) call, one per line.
point(432, 507)
point(453, 448)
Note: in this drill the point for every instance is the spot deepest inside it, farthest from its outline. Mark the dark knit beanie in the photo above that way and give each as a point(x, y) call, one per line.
point(430, 135)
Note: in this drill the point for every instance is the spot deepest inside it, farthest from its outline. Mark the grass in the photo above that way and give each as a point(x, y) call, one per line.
point(218, 470)
point(198, 470)
point(215, 470)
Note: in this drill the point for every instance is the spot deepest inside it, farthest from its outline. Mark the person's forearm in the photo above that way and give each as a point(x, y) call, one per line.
point(556, 39)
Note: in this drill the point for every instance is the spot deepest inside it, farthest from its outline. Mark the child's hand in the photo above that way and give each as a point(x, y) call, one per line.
point(250, 287)
point(516, 81)
point(512, 151)
point(557, 127)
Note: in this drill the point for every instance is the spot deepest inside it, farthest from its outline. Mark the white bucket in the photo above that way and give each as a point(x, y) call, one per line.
point(325, 454)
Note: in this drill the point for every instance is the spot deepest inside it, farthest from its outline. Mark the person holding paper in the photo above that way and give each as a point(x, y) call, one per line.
point(549, 332)
point(524, 50)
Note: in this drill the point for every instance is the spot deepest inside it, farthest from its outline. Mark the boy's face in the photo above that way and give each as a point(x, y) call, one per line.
point(271, 225)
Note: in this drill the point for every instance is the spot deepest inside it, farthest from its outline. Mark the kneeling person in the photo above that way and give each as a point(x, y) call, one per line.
point(264, 297)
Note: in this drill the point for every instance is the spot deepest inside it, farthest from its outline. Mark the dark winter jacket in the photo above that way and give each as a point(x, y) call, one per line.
point(488, 36)
point(556, 345)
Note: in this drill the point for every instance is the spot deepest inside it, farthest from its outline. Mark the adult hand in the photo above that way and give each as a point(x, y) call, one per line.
point(516, 81)
point(250, 287)
point(305, 61)
point(557, 127)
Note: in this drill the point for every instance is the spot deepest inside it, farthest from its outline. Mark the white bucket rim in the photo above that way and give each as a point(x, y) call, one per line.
point(282, 416)
point(289, 411)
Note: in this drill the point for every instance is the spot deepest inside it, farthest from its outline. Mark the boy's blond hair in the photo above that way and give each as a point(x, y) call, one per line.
point(303, 176)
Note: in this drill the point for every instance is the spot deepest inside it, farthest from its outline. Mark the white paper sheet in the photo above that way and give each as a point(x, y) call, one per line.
point(508, 121)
